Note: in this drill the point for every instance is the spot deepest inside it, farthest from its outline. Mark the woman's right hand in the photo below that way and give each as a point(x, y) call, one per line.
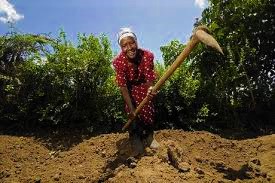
point(132, 115)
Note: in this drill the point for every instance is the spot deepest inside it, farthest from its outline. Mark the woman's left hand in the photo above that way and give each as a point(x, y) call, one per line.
point(150, 93)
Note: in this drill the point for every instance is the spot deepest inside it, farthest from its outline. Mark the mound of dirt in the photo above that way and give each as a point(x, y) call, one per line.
point(182, 157)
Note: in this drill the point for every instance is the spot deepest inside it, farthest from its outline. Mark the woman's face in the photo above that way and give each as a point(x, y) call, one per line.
point(129, 47)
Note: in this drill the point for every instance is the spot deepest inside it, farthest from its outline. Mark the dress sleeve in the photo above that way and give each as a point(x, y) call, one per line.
point(119, 67)
point(149, 72)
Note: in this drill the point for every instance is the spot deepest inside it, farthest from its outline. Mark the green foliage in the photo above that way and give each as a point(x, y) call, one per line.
point(176, 102)
point(171, 51)
point(14, 50)
point(45, 81)
point(69, 85)
point(241, 83)
point(234, 90)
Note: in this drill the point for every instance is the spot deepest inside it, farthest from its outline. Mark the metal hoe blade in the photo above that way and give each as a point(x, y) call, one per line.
point(208, 40)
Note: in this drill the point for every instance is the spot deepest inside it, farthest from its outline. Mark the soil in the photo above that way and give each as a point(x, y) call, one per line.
point(182, 157)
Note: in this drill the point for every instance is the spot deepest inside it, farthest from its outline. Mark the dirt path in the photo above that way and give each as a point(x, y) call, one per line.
point(182, 157)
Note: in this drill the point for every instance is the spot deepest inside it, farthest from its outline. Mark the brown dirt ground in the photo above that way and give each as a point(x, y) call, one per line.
point(182, 157)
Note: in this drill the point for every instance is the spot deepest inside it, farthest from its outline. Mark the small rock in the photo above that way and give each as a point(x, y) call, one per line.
point(133, 165)
point(18, 171)
point(198, 159)
point(220, 165)
point(108, 170)
point(52, 153)
point(103, 154)
point(199, 170)
point(200, 176)
point(37, 179)
point(132, 162)
point(56, 177)
point(256, 161)
point(184, 167)
point(81, 176)
point(132, 172)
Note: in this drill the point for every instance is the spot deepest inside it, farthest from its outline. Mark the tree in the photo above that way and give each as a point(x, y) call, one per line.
point(235, 90)
point(241, 83)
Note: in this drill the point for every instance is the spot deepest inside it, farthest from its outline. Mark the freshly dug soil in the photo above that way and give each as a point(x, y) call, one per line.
point(182, 157)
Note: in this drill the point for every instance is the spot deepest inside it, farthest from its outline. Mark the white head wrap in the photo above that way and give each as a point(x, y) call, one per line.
point(125, 32)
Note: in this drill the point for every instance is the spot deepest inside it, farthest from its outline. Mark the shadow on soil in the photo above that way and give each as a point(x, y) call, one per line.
point(231, 174)
point(52, 137)
point(60, 138)
point(119, 160)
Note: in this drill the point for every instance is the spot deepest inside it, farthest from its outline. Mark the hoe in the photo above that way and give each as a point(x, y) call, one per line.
point(200, 35)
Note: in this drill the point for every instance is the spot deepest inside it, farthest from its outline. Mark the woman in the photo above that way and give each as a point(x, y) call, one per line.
point(135, 76)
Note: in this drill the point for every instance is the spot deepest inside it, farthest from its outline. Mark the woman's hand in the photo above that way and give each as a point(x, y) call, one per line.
point(150, 93)
point(132, 115)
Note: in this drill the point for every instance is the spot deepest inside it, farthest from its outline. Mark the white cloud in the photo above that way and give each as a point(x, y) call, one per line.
point(200, 3)
point(8, 13)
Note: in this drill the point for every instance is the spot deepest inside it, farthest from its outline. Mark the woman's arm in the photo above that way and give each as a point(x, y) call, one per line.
point(126, 96)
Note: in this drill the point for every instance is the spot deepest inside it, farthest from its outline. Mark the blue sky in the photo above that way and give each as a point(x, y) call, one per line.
point(156, 22)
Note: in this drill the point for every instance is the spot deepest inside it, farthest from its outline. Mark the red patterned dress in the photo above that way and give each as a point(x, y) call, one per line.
point(135, 78)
